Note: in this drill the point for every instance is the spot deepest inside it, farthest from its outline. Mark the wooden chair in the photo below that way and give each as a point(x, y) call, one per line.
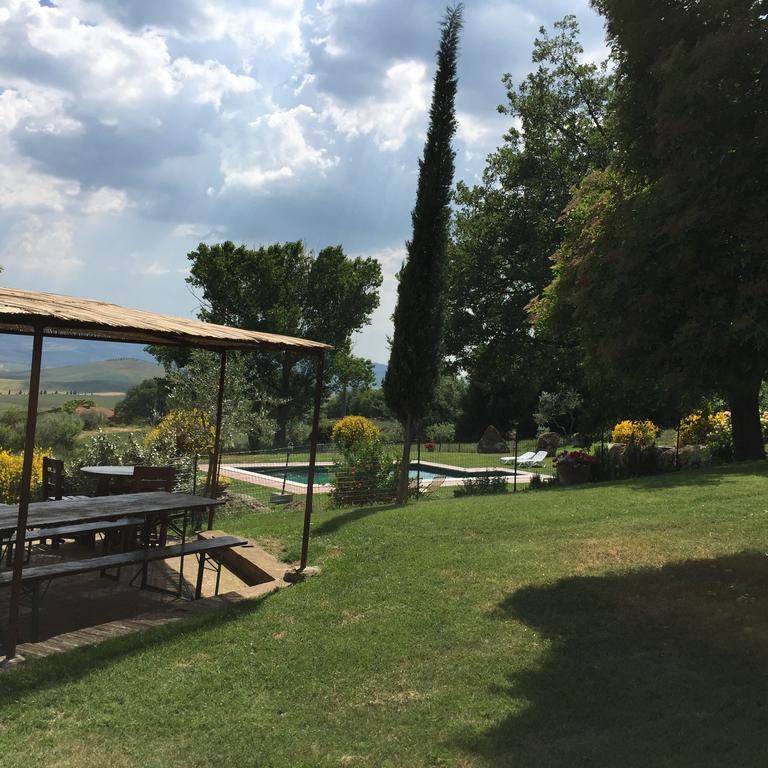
point(153, 479)
point(53, 484)
point(146, 479)
point(53, 478)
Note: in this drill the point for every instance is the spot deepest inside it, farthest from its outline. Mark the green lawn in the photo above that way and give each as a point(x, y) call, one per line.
point(616, 625)
point(50, 401)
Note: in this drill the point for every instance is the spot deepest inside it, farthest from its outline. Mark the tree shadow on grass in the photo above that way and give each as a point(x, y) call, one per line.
point(703, 476)
point(661, 667)
point(39, 674)
point(345, 518)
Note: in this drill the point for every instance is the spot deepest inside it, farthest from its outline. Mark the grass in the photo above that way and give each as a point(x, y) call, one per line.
point(624, 624)
point(103, 376)
point(50, 401)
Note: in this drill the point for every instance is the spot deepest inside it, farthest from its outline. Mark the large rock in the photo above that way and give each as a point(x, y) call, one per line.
point(692, 456)
point(549, 442)
point(492, 442)
point(665, 458)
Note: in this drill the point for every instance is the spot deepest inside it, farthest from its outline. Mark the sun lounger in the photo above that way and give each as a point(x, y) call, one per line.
point(523, 458)
point(537, 460)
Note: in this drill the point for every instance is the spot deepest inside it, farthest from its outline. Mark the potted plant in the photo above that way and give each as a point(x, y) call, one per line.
point(574, 467)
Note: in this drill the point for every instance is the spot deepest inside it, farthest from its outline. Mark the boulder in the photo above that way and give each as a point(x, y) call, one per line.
point(549, 442)
point(492, 442)
point(665, 458)
point(694, 456)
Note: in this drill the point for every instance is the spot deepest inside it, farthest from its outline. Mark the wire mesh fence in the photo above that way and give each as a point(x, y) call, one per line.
point(269, 479)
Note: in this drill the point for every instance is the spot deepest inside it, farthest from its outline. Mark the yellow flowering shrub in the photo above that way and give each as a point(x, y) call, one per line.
point(182, 433)
point(694, 428)
point(354, 430)
point(764, 425)
point(642, 433)
point(10, 475)
point(712, 430)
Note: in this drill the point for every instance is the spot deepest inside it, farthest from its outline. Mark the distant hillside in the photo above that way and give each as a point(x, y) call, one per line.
point(102, 376)
point(16, 351)
point(379, 369)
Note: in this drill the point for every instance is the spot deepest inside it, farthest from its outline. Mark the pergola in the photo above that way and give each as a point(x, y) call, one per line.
point(39, 315)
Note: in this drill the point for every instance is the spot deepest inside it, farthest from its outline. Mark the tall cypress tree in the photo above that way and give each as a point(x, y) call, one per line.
point(415, 354)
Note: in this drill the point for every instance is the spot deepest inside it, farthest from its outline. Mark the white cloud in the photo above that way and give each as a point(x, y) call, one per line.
point(155, 269)
point(22, 187)
point(391, 118)
point(210, 80)
point(41, 246)
point(106, 200)
point(285, 150)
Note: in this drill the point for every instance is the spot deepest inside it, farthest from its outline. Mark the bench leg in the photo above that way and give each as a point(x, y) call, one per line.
point(200, 569)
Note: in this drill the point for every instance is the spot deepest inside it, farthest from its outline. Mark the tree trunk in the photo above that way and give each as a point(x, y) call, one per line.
point(280, 439)
point(744, 400)
point(405, 464)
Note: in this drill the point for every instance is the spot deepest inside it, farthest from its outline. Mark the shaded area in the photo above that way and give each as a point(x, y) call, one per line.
point(661, 667)
point(339, 521)
point(59, 669)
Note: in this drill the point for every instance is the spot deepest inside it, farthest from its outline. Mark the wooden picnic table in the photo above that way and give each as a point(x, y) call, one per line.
point(111, 478)
point(83, 510)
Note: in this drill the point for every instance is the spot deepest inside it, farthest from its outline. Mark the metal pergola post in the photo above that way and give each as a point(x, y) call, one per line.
point(312, 459)
point(26, 482)
point(213, 469)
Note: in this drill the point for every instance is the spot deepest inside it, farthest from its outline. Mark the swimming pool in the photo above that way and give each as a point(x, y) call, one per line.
point(324, 474)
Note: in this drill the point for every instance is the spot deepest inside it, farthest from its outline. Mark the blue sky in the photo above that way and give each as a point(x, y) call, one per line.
point(131, 130)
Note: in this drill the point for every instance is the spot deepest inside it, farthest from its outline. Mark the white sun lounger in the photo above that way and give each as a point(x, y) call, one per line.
point(523, 458)
point(537, 460)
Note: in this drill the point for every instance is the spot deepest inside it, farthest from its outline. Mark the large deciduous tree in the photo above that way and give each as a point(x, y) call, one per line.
point(665, 265)
point(284, 288)
point(416, 354)
point(507, 228)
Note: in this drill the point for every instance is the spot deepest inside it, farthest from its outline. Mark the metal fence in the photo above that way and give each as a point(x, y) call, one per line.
point(269, 479)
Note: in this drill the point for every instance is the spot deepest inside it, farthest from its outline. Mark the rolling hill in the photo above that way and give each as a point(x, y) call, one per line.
point(102, 376)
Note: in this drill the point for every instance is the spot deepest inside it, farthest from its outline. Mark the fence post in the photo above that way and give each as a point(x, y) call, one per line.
point(418, 470)
point(677, 447)
point(514, 477)
point(194, 475)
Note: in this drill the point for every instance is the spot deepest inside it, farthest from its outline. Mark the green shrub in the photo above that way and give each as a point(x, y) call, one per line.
point(92, 419)
point(365, 474)
point(482, 485)
point(58, 430)
point(539, 483)
point(442, 432)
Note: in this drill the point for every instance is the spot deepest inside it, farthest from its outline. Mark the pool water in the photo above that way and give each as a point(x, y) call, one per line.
point(324, 475)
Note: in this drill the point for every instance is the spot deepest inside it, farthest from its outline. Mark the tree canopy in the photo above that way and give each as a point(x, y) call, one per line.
point(285, 288)
point(663, 267)
point(507, 228)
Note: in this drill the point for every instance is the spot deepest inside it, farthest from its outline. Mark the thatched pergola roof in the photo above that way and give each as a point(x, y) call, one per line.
point(71, 317)
point(49, 314)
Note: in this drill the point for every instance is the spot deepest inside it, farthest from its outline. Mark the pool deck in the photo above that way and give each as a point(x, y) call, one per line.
point(245, 475)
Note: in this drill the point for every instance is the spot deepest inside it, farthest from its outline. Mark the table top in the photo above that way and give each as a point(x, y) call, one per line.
point(109, 471)
point(66, 511)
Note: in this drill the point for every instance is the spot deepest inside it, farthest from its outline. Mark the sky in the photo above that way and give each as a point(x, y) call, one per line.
point(132, 130)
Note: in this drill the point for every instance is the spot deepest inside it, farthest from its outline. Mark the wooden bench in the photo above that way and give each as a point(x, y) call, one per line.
point(63, 531)
point(37, 575)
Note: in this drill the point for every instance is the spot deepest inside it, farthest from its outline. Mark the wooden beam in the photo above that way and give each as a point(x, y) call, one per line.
point(26, 482)
point(312, 459)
